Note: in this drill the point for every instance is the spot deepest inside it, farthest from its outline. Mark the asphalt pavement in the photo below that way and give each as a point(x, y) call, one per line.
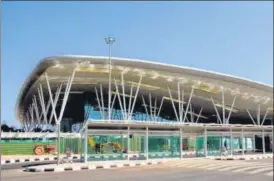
point(173, 171)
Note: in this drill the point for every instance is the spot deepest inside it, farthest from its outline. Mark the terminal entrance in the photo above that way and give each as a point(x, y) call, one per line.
point(142, 143)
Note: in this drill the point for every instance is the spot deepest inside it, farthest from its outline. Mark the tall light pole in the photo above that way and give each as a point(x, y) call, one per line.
point(109, 40)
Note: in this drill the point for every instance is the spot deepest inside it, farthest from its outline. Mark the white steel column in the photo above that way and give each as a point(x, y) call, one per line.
point(272, 139)
point(99, 104)
point(135, 97)
point(146, 143)
point(197, 119)
point(144, 102)
point(86, 143)
point(130, 100)
point(231, 142)
point(173, 105)
point(42, 103)
point(253, 143)
point(120, 102)
point(205, 142)
point(57, 94)
point(181, 143)
point(264, 117)
point(160, 108)
point(102, 100)
point(191, 115)
point(31, 113)
point(263, 140)
point(230, 111)
point(216, 110)
point(36, 110)
point(187, 107)
point(124, 97)
point(242, 140)
point(112, 104)
point(150, 106)
point(258, 114)
point(128, 143)
point(251, 117)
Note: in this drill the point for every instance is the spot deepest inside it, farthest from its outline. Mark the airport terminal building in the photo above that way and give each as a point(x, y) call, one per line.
point(136, 109)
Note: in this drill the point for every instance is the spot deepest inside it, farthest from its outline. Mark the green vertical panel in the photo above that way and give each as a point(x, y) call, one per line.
point(163, 146)
point(200, 146)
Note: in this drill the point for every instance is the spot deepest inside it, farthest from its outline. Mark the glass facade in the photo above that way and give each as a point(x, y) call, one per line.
point(163, 146)
point(107, 147)
point(216, 143)
point(92, 113)
point(122, 147)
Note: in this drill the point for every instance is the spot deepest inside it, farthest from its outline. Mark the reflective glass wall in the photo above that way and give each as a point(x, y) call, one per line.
point(163, 146)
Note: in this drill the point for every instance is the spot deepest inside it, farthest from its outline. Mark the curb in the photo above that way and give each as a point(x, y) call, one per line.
point(37, 159)
point(92, 167)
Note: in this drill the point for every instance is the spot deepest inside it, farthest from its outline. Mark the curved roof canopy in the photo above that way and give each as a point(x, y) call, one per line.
point(157, 78)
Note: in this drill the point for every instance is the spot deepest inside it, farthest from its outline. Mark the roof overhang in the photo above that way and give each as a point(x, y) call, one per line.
point(91, 70)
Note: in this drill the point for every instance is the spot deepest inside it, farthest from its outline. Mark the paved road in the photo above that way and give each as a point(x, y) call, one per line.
point(192, 170)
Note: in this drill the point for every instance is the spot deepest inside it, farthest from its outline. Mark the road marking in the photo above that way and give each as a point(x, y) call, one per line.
point(245, 169)
point(207, 166)
point(231, 168)
point(191, 166)
point(269, 174)
point(260, 170)
point(215, 167)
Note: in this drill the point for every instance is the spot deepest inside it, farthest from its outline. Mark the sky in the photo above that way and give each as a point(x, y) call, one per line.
point(228, 37)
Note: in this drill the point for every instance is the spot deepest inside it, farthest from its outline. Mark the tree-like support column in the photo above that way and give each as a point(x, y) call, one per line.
point(65, 98)
point(259, 121)
point(42, 103)
point(224, 120)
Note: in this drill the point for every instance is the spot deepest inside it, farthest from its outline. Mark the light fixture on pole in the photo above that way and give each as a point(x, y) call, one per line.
point(109, 40)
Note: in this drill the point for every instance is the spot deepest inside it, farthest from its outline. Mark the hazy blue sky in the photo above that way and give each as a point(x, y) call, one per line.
point(229, 37)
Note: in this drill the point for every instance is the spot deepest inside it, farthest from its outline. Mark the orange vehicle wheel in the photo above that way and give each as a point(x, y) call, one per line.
point(39, 150)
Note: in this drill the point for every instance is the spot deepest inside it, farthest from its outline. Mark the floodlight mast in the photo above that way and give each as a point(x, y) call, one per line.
point(109, 40)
